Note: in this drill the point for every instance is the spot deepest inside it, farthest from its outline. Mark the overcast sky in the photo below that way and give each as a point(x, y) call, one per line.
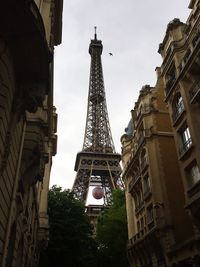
point(131, 30)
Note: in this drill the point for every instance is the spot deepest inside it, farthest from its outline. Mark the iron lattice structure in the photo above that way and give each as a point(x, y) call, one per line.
point(97, 163)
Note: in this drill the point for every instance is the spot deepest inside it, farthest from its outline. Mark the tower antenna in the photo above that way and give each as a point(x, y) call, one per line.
point(95, 32)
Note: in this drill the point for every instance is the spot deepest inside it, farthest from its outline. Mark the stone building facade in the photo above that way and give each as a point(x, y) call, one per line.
point(29, 30)
point(180, 70)
point(160, 155)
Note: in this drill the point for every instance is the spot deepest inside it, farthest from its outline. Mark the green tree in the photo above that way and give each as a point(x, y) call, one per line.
point(70, 242)
point(112, 233)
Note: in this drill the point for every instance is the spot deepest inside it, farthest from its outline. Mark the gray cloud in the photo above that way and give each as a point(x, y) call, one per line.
point(132, 31)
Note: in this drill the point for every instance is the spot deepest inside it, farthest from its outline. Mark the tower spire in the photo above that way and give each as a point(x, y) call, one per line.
point(95, 32)
point(98, 163)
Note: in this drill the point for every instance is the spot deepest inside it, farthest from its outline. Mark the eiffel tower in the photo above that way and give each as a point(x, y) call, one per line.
point(97, 165)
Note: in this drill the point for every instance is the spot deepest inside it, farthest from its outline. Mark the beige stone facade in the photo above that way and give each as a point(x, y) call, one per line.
point(161, 160)
point(181, 56)
point(29, 30)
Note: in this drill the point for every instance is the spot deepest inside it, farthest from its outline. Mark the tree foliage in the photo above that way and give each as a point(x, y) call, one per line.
point(112, 233)
point(70, 242)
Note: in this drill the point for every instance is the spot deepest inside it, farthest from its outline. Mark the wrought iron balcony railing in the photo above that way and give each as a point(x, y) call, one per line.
point(194, 92)
point(169, 84)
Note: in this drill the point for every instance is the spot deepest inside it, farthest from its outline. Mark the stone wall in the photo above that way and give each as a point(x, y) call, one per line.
point(27, 131)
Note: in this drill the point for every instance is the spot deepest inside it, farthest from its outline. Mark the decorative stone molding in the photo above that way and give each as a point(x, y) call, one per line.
point(33, 95)
point(35, 165)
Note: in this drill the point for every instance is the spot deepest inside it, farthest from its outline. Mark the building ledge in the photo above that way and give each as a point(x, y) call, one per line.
point(191, 4)
point(22, 27)
point(142, 236)
point(194, 189)
point(193, 242)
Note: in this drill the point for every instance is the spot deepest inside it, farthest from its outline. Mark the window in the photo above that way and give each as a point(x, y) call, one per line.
point(140, 135)
point(143, 159)
point(194, 91)
point(138, 226)
point(146, 184)
point(178, 106)
point(142, 223)
point(136, 200)
point(139, 203)
point(193, 174)
point(140, 197)
point(170, 79)
point(149, 214)
point(136, 172)
point(185, 139)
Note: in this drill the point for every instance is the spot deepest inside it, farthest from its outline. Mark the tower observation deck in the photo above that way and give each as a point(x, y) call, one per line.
point(98, 163)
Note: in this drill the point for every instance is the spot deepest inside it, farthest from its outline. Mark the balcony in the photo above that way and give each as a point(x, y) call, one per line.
point(177, 112)
point(134, 180)
point(194, 92)
point(137, 236)
point(186, 57)
point(185, 147)
point(169, 84)
point(147, 192)
point(151, 224)
point(133, 239)
point(190, 52)
point(196, 39)
point(139, 207)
